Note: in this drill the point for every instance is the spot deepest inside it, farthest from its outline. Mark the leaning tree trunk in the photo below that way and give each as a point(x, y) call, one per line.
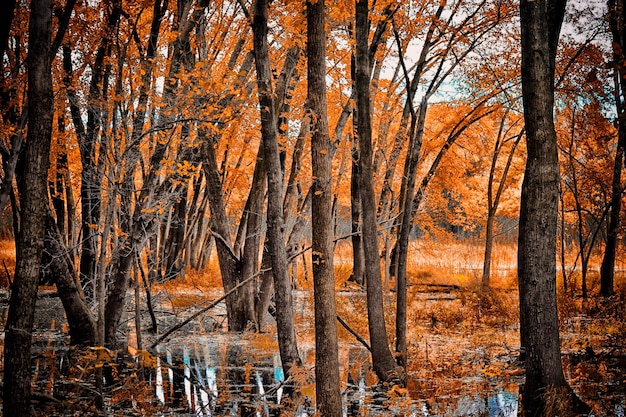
point(237, 310)
point(276, 241)
point(80, 320)
point(33, 191)
point(382, 360)
point(539, 327)
point(328, 394)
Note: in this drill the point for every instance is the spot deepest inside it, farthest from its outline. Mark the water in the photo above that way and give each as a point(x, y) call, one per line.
point(228, 375)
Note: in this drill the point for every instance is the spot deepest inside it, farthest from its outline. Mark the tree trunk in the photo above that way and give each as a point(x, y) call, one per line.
point(358, 263)
point(616, 16)
point(253, 225)
point(406, 223)
point(230, 265)
point(91, 177)
point(493, 201)
point(133, 222)
point(82, 326)
point(29, 244)
point(328, 394)
point(275, 229)
point(382, 360)
point(539, 332)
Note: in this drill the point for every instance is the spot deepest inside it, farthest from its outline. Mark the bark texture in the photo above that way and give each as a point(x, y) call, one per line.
point(82, 327)
point(275, 227)
point(540, 26)
point(382, 360)
point(328, 394)
point(616, 16)
point(29, 244)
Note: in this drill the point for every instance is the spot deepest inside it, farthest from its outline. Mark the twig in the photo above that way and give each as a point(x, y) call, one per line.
point(354, 333)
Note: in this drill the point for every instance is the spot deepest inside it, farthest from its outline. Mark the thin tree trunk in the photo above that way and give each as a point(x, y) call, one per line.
point(382, 360)
point(91, 177)
point(358, 263)
point(493, 201)
point(328, 394)
point(616, 16)
point(253, 237)
point(29, 244)
point(230, 265)
point(275, 228)
point(562, 255)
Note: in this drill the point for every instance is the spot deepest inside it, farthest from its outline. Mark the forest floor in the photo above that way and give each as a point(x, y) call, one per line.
point(463, 354)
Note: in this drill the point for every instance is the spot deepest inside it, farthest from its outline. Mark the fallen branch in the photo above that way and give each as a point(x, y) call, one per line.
point(354, 333)
point(202, 311)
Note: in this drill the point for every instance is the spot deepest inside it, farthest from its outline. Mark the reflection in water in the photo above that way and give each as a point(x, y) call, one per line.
point(503, 404)
point(159, 382)
point(279, 377)
point(187, 375)
point(234, 380)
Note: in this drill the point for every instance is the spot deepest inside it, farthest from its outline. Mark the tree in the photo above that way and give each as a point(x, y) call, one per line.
point(327, 385)
point(33, 190)
point(585, 178)
point(382, 360)
point(616, 24)
point(539, 332)
point(493, 199)
point(276, 242)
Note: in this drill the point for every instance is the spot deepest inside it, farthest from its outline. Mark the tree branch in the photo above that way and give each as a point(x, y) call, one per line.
point(354, 333)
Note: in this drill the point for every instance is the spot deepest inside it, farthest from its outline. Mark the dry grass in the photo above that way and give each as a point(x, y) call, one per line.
point(460, 263)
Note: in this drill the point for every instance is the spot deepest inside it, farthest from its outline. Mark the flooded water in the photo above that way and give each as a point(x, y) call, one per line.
point(230, 375)
point(202, 370)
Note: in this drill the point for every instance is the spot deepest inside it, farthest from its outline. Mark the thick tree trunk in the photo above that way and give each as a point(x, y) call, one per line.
point(607, 269)
point(29, 244)
point(275, 229)
point(617, 13)
point(540, 25)
point(382, 360)
point(328, 394)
